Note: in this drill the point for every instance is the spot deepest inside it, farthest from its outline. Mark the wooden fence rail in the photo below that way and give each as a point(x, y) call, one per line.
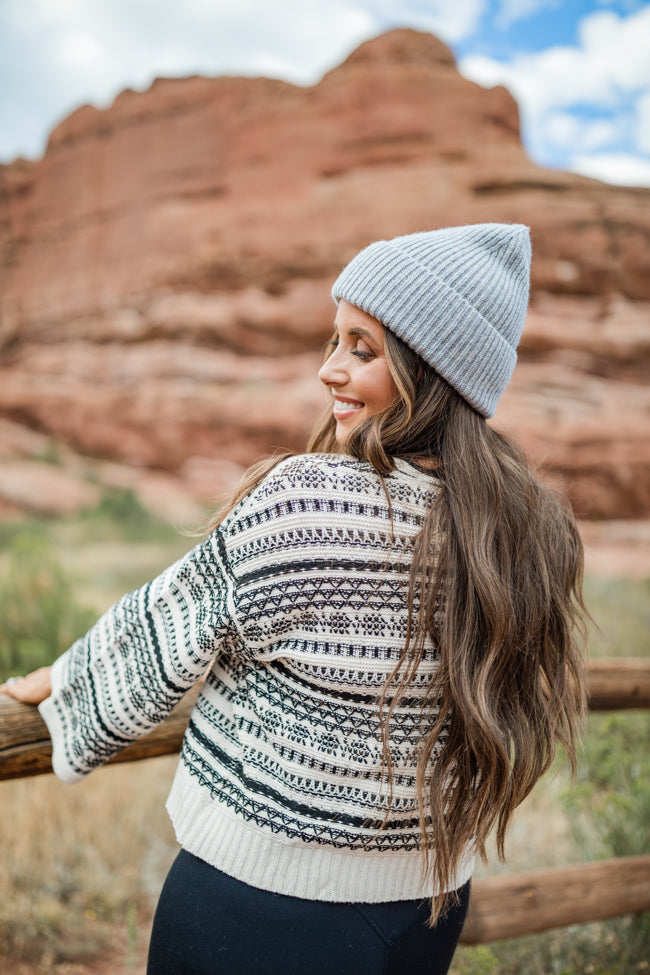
point(25, 745)
point(26, 749)
point(513, 905)
point(619, 684)
point(501, 907)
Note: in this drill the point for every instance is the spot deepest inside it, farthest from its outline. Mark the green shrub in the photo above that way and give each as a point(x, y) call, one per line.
point(475, 961)
point(119, 514)
point(610, 814)
point(610, 805)
point(39, 616)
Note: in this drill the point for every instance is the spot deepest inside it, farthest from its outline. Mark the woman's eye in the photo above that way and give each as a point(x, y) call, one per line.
point(362, 354)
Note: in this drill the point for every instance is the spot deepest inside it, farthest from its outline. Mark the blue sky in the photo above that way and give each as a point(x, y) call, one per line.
point(580, 70)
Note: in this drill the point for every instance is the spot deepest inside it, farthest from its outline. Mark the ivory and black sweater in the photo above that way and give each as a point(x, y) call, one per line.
point(296, 605)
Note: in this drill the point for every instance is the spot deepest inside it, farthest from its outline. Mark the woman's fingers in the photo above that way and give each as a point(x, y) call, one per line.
point(31, 689)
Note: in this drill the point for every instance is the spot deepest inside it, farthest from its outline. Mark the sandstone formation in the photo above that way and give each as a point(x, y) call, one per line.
point(165, 269)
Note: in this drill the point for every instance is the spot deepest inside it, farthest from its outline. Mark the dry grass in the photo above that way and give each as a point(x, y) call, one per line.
point(80, 860)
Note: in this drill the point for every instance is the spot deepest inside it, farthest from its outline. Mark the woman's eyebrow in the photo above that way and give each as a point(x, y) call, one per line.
point(361, 331)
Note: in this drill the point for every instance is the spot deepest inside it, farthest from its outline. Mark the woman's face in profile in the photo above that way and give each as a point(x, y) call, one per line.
point(357, 373)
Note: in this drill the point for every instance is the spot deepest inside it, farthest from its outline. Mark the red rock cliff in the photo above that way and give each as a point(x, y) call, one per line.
point(165, 268)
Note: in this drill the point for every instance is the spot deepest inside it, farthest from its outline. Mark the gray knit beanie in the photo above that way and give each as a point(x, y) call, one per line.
point(456, 296)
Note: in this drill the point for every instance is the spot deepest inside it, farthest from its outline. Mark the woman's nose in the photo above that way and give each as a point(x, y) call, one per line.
point(332, 372)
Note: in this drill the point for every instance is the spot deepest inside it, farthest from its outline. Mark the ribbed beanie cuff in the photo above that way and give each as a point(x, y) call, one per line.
point(457, 297)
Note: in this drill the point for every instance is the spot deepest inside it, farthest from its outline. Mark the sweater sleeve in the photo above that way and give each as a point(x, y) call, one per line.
point(125, 676)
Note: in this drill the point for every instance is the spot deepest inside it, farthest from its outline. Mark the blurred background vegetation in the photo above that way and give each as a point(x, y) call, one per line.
point(82, 864)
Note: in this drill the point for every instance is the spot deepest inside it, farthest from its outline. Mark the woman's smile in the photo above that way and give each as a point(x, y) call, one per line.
point(344, 408)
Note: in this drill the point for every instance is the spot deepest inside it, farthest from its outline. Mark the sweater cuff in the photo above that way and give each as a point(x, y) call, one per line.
point(53, 718)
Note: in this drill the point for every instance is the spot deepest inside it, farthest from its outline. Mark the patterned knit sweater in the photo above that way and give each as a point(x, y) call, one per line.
point(297, 606)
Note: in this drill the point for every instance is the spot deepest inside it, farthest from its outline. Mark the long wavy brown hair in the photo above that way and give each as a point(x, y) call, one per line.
point(496, 584)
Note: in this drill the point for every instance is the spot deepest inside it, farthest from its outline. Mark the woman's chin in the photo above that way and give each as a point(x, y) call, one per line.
point(345, 427)
point(343, 431)
point(341, 437)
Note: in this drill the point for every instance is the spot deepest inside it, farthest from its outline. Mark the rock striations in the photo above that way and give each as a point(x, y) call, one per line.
point(165, 269)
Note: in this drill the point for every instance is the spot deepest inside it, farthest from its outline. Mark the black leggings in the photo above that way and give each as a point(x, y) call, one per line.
point(208, 923)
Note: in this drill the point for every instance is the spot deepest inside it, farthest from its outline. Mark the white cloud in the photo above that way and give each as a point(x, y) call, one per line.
point(80, 51)
point(642, 132)
point(452, 21)
point(599, 133)
point(626, 170)
point(513, 10)
point(619, 46)
point(607, 73)
point(611, 62)
point(564, 129)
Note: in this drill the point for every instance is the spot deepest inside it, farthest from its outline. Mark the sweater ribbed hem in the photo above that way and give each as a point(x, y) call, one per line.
point(210, 831)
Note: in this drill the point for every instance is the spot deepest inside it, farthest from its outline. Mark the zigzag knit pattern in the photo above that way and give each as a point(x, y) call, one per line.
point(297, 605)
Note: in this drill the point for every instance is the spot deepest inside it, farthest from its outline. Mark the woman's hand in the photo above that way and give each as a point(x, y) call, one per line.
point(32, 689)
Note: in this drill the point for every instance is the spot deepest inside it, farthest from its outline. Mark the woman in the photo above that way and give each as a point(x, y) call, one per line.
point(388, 623)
